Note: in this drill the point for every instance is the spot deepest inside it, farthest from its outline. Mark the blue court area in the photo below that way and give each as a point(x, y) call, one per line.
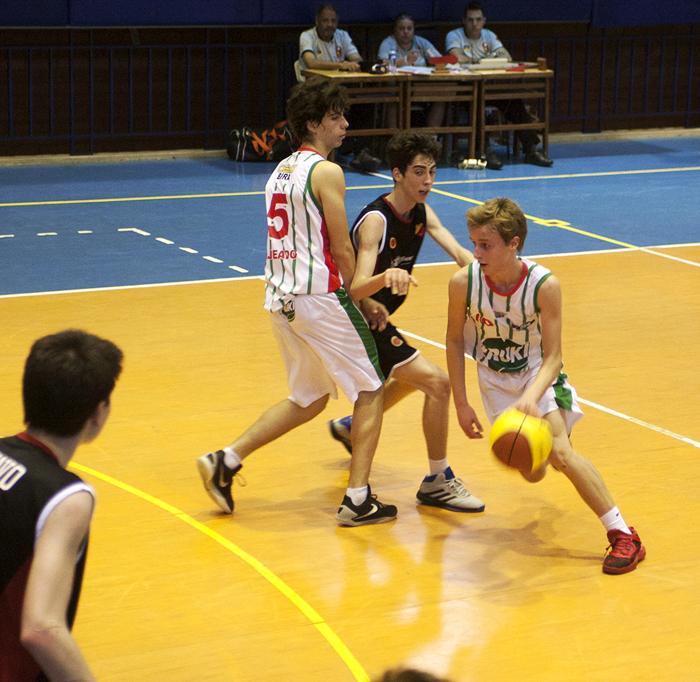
point(92, 225)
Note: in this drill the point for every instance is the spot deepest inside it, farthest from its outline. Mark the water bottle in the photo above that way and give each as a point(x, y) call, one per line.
point(392, 61)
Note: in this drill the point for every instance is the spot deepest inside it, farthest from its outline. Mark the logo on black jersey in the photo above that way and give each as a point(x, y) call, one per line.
point(396, 341)
point(392, 243)
point(10, 472)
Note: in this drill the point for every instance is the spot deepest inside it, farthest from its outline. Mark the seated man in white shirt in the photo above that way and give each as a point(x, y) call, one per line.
point(470, 45)
point(328, 48)
point(411, 50)
point(325, 46)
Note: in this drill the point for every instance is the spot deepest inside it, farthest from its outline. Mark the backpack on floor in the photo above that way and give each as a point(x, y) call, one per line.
point(250, 144)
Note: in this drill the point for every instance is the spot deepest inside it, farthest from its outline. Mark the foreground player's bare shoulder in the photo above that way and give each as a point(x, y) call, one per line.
point(549, 295)
point(326, 174)
point(459, 281)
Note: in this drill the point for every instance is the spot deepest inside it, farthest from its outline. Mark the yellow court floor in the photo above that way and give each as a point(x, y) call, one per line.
point(176, 591)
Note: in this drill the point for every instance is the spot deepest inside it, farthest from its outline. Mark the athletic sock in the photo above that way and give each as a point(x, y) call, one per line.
point(613, 520)
point(231, 459)
point(437, 466)
point(358, 495)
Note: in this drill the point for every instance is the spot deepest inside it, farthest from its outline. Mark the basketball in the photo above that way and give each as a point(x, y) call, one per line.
point(521, 441)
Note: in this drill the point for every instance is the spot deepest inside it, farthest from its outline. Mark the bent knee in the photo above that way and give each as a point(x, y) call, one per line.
point(561, 455)
point(439, 386)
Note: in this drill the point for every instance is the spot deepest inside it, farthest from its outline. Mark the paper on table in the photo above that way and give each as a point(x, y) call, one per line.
point(416, 69)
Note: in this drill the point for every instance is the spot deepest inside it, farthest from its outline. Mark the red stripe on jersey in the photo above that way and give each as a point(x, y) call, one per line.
point(16, 663)
point(30, 439)
point(334, 281)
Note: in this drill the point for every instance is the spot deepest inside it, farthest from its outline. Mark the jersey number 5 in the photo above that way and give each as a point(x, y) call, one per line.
point(278, 209)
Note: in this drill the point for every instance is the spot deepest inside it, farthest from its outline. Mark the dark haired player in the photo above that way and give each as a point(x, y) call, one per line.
point(387, 237)
point(45, 511)
point(323, 338)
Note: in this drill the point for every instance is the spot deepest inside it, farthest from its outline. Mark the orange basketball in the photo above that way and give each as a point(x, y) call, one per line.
point(521, 441)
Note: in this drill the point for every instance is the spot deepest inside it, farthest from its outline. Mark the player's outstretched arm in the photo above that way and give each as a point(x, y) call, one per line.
point(456, 316)
point(44, 632)
point(365, 282)
point(445, 239)
point(328, 186)
point(549, 303)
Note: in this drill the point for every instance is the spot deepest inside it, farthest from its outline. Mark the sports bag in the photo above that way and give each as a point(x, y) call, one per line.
point(250, 144)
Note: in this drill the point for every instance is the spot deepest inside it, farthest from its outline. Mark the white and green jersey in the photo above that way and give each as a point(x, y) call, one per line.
point(298, 250)
point(502, 331)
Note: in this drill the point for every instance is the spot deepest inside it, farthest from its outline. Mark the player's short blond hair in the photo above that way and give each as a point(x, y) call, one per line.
point(503, 215)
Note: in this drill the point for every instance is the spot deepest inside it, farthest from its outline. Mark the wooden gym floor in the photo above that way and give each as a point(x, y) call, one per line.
point(176, 591)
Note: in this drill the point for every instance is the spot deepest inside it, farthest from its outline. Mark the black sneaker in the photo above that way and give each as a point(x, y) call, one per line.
point(365, 162)
point(370, 511)
point(537, 158)
point(493, 162)
point(217, 478)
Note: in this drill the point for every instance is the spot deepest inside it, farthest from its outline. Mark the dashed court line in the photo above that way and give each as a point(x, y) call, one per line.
point(169, 197)
point(162, 240)
point(186, 249)
point(546, 222)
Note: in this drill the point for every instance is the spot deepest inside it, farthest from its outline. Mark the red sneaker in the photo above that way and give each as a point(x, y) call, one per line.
point(626, 551)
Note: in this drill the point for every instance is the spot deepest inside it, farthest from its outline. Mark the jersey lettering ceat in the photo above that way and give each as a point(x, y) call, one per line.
point(298, 249)
point(399, 245)
point(502, 331)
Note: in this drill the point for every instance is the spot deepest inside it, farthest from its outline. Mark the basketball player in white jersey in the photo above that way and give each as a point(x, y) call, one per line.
point(323, 338)
point(505, 312)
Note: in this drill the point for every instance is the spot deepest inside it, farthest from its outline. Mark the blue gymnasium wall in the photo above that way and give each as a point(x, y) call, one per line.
point(601, 13)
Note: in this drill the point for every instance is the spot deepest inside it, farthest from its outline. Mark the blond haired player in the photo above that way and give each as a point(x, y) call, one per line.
point(505, 311)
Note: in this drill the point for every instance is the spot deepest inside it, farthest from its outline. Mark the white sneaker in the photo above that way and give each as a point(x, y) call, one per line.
point(446, 491)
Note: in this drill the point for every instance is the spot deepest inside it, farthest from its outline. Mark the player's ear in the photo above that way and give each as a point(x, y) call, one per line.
point(515, 243)
point(96, 421)
point(396, 174)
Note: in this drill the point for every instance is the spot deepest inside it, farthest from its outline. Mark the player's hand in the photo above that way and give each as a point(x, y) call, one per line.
point(527, 405)
point(349, 66)
point(470, 422)
point(399, 281)
point(376, 314)
point(413, 57)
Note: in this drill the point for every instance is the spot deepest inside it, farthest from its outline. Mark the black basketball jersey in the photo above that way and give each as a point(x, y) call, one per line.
point(32, 484)
point(398, 247)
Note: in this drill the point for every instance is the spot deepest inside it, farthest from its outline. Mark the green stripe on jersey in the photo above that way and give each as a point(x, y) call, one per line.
point(361, 328)
point(562, 395)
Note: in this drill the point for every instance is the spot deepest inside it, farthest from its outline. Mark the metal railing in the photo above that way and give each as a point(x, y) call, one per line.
point(84, 97)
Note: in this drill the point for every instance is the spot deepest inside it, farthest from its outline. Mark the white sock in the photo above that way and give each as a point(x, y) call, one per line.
point(437, 466)
point(358, 495)
point(613, 520)
point(231, 459)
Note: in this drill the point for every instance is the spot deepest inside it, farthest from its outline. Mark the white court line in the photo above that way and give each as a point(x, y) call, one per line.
point(132, 286)
point(633, 420)
point(614, 413)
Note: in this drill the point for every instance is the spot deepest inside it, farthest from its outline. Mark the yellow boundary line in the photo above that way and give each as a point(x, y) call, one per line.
point(318, 622)
point(441, 182)
point(553, 222)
